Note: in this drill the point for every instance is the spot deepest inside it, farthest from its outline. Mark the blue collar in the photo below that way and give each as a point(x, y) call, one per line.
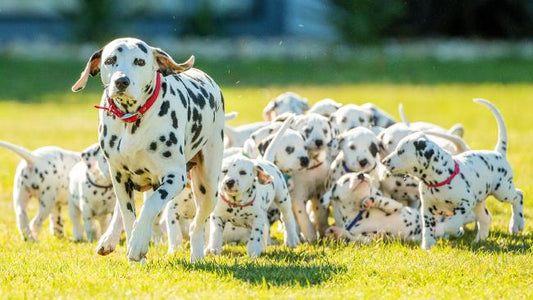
point(286, 177)
point(355, 220)
point(345, 167)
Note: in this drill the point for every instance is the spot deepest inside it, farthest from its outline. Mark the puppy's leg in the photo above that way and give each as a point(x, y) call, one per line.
point(20, 201)
point(75, 217)
point(256, 235)
point(483, 221)
point(88, 224)
point(172, 183)
point(339, 233)
point(173, 226)
point(109, 240)
point(283, 202)
point(298, 198)
point(216, 231)
point(386, 204)
point(321, 216)
point(507, 192)
point(453, 225)
point(205, 177)
point(47, 203)
point(56, 221)
point(428, 226)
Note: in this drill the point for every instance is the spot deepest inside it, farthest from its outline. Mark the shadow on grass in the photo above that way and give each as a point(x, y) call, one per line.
point(497, 242)
point(274, 268)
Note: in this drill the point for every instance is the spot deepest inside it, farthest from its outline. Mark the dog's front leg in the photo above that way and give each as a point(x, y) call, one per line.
point(255, 244)
point(124, 191)
point(428, 226)
point(172, 183)
point(111, 237)
point(216, 232)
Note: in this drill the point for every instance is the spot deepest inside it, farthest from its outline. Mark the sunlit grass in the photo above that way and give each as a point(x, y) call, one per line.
point(501, 267)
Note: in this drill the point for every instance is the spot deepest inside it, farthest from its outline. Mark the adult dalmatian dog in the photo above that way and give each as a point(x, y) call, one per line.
point(157, 117)
point(456, 185)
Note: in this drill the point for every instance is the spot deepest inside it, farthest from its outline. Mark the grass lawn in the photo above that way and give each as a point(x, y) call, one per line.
point(37, 109)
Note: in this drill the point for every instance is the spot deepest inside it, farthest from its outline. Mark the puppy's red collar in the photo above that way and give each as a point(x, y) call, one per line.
point(233, 204)
point(133, 117)
point(445, 182)
point(315, 166)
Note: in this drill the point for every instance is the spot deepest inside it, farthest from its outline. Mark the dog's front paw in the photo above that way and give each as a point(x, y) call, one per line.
point(333, 232)
point(138, 244)
point(254, 250)
point(516, 226)
point(428, 243)
point(292, 241)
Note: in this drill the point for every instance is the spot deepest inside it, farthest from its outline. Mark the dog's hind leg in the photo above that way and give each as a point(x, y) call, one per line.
point(56, 221)
point(46, 204)
point(483, 221)
point(205, 176)
point(21, 198)
point(505, 191)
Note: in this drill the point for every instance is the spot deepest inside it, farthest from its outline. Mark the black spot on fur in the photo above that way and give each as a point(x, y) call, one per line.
point(164, 108)
point(167, 154)
point(202, 189)
point(142, 47)
point(174, 120)
point(163, 193)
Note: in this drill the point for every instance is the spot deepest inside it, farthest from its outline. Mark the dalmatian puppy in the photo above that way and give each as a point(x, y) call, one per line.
point(246, 191)
point(251, 145)
point(366, 213)
point(379, 117)
point(156, 117)
point(309, 183)
point(457, 129)
point(325, 107)
point(459, 184)
point(91, 195)
point(42, 174)
point(286, 102)
point(350, 116)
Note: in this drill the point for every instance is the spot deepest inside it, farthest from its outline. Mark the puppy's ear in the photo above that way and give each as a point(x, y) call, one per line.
point(262, 176)
point(326, 198)
point(268, 111)
point(86, 156)
point(264, 145)
point(167, 65)
point(304, 104)
point(373, 148)
point(92, 68)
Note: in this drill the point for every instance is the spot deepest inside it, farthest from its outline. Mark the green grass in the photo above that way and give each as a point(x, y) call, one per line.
point(501, 267)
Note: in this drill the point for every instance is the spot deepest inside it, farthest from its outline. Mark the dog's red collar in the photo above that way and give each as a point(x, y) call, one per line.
point(445, 182)
point(233, 204)
point(133, 117)
point(316, 166)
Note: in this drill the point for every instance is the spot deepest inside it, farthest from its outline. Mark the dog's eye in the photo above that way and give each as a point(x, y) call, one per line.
point(325, 131)
point(344, 120)
point(139, 62)
point(361, 120)
point(352, 147)
point(289, 149)
point(224, 171)
point(111, 60)
point(242, 172)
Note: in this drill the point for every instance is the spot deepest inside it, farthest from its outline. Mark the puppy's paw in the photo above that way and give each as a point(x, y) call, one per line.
point(367, 203)
point(333, 233)
point(212, 251)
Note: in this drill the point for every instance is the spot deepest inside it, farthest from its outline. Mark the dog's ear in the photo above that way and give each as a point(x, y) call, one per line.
point(92, 68)
point(262, 176)
point(304, 104)
point(268, 111)
point(167, 65)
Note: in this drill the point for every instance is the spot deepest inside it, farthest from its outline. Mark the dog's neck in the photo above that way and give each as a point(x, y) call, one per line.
point(437, 169)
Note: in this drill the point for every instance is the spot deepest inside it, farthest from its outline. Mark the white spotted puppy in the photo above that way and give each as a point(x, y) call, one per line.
point(457, 185)
point(91, 195)
point(366, 213)
point(42, 174)
point(246, 191)
point(287, 102)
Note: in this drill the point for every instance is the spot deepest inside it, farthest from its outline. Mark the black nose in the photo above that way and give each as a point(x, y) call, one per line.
point(230, 183)
point(319, 143)
point(360, 176)
point(363, 163)
point(122, 83)
point(304, 161)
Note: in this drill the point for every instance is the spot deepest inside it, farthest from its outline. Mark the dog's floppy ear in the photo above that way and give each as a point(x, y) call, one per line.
point(168, 66)
point(92, 68)
point(262, 176)
point(268, 111)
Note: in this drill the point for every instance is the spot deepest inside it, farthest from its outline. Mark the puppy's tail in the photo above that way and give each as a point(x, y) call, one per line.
point(501, 146)
point(402, 115)
point(270, 150)
point(458, 142)
point(20, 151)
point(230, 116)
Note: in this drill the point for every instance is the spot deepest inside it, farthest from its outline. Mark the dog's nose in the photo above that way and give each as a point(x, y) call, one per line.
point(361, 176)
point(304, 161)
point(319, 143)
point(230, 183)
point(122, 83)
point(363, 162)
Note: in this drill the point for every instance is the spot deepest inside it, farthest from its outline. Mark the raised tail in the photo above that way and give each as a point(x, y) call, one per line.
point(458, 142)
point(20, 151)
point(270, 150)
point(402, 115)
point(501, 146)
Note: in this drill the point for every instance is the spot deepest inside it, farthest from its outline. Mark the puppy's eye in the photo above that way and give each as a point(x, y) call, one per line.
point(110, 60)
point(352, 147)
point(325, 131)
point(139, 62)
point(361, 120)
point(344, 120)
point(289, 149)
point(242, 172)
point(224, 171)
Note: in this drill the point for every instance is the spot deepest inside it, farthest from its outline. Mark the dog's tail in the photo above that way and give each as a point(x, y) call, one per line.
point(457, 130)
point(460, 145)
point(270, 150)
point(402, 115)
point(501, 146)
point(20, 151)
point(230, 116)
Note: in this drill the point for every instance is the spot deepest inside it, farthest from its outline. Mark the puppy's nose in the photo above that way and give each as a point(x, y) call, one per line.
point(122, 83)
point(363, 162)
point(230, 183)
point(319, 143)
point(304, 161)
point(361, 176)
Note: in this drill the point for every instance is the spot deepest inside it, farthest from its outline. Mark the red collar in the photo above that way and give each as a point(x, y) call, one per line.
point(129, 117)
point(315, 166)
point(445, 182)
point(233, 204)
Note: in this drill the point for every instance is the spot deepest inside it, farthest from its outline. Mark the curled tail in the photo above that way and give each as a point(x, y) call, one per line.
point(402, 115)
point(270, 150)
point(20, 151)
point(501, 146)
